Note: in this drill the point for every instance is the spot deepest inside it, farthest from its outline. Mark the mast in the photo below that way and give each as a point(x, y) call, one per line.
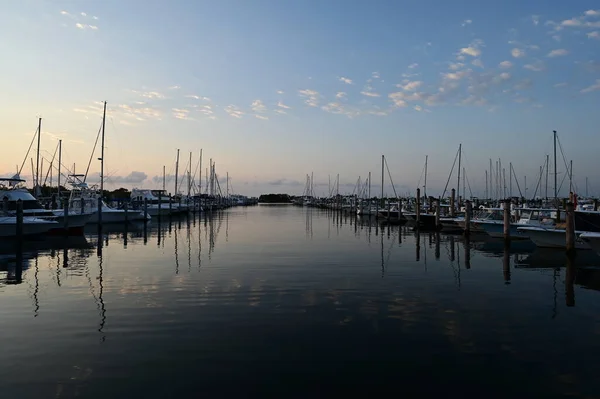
point(491, 179)
point(571, 176)
point(382, 175)
point(425, 184)
point(338, 185)
point(200, 178)
point(102, 153)
point(525, 178)
point(176, 172)
point(555, 172)
point(164, 178)
point(227, 185)
point(59, 165)
point(464, 183)
point(586, 187)
point(37, 166)
point(547, 173)
point(312, 188)
point(486, 184)
point(190, 177)
point(458, 182)
point(510, 174)
point(369, 188)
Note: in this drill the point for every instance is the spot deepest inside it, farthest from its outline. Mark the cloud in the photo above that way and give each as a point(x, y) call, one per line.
point(558, 53)
point(346, 80)
point(67, 14)
point(154, 95)
point(196, 97)
point(524, 84)
point(592, 13)
point(454, 66)
point(563, 84)
point(282, 105)
point(85, 26)
point(233, 111)
point(280, 91)
point(134, 177)
point(84, 14)
point(418, 108)
point(261, 117)
point(176, 87)
point(472, 51)
point(284, 182)
point(413, 66)
point(517, 53)
point(369, 93)
point(258, 106)
point(311, 97)
point(505, 64)
point(340, 94)
point(181, 113)
point(411, 86)
point(535, 19)
point(477, 62)
point(594, 87)
point(466, 22)
point(398, 99)
point(594, 35)
point(537, 66)
point(375, 75)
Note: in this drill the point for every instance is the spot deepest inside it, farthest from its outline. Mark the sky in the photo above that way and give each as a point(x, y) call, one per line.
point(273, 91)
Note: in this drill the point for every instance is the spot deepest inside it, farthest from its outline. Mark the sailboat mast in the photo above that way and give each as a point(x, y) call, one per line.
point(458, 182)
point(37, 166)
point(491, 179)
point(369, 187)
point(200, 178)
point(425, 185)
point(382, 176)
point(59, 165)
point(510, 175)
point(547, 173)
point(486, 184)
point(227, 185)
point(176, 172)
point(164, 178)
point(571, 176)
point(190, 177)
point(555, 171)
point(102, 151)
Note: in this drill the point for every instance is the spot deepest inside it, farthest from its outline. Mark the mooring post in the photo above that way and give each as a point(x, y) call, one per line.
point(452, 203)
point(468, 211)
point(507, 220)
point(418, 207)
point(19, 226)
point(570, 227)
point(66, 216)
point(437, 214)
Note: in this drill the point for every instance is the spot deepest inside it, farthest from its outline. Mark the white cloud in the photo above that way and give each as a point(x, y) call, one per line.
point(456, 66)
point(340, 94)
point(84, 14)
point(196, 97)
point(418, 108)
point(537, 66)
point(556, 37)
point(233, 111)
point(535, 19)
point(66, 14)
point(592, 13)
point(411, 86)
point(311, 97)
point(262, 117)
point(563, 84)
point(505, 64)
point(280, 91)
point(181, 113)
point(80, 26)
point(477, 62)
point(558, 53)
point(334, 108)
point(517, 53)
point(413, 65)
point(466, 22)
point(455, 75)
point(282, 105)
point(176, 87)
point(369, 93)
point(375, 75)
point(571, 22)
point(95, 17)
point(594, 35)
point(258, 106)
point(346, 80)
point(398, 99)
point(594, 87)
point(472, 51)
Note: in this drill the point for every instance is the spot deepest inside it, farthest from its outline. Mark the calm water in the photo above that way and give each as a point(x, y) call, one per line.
point(279, 300)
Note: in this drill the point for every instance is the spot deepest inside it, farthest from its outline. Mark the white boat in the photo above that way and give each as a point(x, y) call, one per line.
point(157, 200)
point(550, 237)
point(593, 239)
point(31, 226)
point(14, 191)
point(84, 199)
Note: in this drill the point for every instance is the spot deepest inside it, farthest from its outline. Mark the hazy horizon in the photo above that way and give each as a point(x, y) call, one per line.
point(274, 91)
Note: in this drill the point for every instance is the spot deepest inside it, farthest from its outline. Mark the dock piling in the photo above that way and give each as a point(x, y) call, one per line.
point(418, 207)
point(570, 227)
point(453, 203)
point(468, 212)
point(437, 215)
point(506, 206)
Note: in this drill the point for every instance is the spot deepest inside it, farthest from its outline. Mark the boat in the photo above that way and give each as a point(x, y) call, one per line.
point(12, 190)
point(593, 239)
point(31, 226)
point(156, 200)
point(552, 237)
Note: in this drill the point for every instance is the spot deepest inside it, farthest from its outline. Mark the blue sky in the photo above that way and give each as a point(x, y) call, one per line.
point(273, 91)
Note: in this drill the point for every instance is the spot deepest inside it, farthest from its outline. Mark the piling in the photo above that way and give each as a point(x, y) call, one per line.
point(570, 227)
point(418, 207)
point(506, 220)
point(145, 209)
point(66, 216)
point(437, 215)
point(468, 211)
point(453, 203)
point(170, 205)
point(19, 226)
point(125, 208)
point(595, 205)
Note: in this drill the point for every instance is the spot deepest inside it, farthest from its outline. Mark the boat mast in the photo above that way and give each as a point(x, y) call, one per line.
point(425, 184)
point(369, 188)
point(190, 177)
point(510, 175)
point(491, 179)
point(555, 172)
point(547, 173)
point(586, 187)
point(37, 166)
point(59, 165)
point(458, 182)
point(227, 185)
point(164, 178)
point(382, 176)
point(176, 172)
point(486, 184)
point(200, 177)
point(571, 176)
point(102, 153)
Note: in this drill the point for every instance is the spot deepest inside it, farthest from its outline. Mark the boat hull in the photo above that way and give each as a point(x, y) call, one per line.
point(551, 238)
point(8, 227)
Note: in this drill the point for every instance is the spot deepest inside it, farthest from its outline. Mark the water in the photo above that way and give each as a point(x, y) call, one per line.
point(279, 300)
